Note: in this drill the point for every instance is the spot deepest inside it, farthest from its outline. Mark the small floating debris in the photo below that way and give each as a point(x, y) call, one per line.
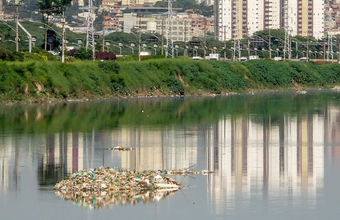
point(119, 148)
point(188, 172)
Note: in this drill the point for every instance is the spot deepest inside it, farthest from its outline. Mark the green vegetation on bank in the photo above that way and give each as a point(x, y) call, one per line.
point(39, 81)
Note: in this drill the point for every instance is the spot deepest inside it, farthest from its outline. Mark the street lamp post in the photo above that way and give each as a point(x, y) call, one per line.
point(297, 49)
point(50, 42)
point(34, 39)
point(233, 52)
point(321, 53)
point(117, 47)
point(120, 45)
point(225, 43)
point(176, 48)
point(132, 45)
point(107, 44)
point(195, 49)
point(296, 42)
point(80, 41)
point(214, 49)
point(155, 48)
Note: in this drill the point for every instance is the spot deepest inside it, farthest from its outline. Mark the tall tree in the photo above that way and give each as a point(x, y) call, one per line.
point(49, 10)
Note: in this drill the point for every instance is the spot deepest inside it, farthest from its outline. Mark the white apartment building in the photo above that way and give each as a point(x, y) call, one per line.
point(181, 25)
point(137, 2)
point(241, 18)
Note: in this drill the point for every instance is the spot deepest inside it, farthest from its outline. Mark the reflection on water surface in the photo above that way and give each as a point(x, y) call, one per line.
point(108, 199)
point(267, 149)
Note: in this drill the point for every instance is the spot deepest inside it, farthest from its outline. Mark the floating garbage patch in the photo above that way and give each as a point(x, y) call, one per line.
point(98, 188)
point(106, 199)
point(119, 148)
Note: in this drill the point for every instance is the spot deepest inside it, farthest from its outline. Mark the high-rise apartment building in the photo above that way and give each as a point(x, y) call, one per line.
point(241, 18)
point(1, 9)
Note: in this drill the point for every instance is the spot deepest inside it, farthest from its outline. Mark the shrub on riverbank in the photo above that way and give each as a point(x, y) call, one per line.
point(43, 81)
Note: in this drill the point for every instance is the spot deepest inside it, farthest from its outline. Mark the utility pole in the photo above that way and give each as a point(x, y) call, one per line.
point(307, 51)
point(234, 50)
point(324, 46)
point(16, 24)
point(169, 42)
point(46, 13)
point(296, 49)
point(238, 49)
point(330, 47)
point(139, 37)
point(17, 28)
point(248, 39)
point(287, 40)
point(90, 30)
point(162, 36)
point(329, 37)
point(185, 39)
point(338, 41)
point(269, 44)
point(63, 37)
point(225, 43)
point(204, 43)
point(103, 47)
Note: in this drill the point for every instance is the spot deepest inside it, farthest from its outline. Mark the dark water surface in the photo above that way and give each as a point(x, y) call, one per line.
point(274, 156)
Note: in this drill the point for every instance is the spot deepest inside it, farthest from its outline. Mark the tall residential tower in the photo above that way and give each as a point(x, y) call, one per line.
point(241, 18)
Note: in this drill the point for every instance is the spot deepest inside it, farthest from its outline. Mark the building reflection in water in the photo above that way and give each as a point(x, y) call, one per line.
point(281, 159)
point(251, 156)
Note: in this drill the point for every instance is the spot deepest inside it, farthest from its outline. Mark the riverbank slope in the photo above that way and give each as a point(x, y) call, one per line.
point(39, 81)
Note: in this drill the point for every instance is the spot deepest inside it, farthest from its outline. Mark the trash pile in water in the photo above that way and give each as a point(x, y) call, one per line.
point(119, 148)
point(104, 199)
point(102, 187)
point(109, 179)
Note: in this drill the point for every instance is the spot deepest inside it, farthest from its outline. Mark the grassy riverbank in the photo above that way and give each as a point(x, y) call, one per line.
point(39, 81)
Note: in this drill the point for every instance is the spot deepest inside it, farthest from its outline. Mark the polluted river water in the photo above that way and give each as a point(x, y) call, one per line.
point(272, 156)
